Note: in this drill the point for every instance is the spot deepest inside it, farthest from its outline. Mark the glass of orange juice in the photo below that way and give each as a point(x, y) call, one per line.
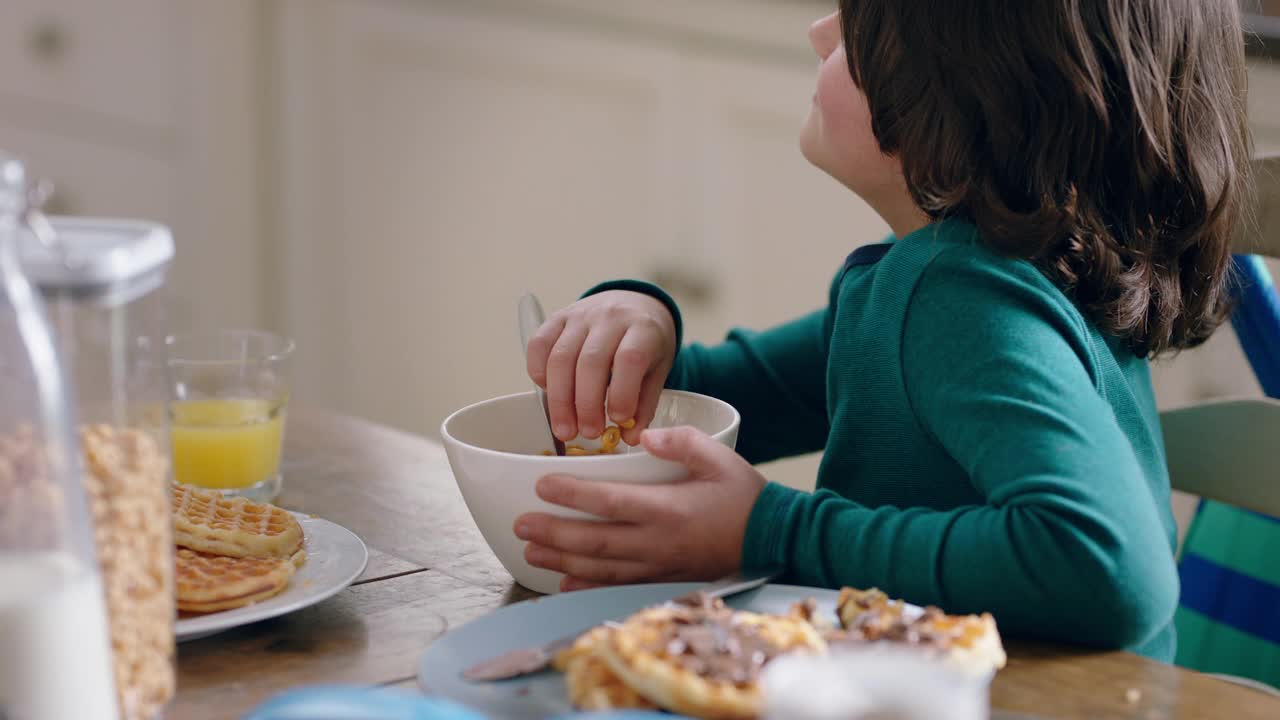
point(229, 394)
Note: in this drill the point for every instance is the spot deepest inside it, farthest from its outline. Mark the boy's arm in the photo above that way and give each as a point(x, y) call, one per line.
point(775, 378)
point(1069, 544)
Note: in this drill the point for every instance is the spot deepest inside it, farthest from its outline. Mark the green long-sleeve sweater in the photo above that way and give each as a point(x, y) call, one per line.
point(986, 447)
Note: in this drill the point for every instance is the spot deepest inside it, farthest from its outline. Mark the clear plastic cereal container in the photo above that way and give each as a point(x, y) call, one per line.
point(98, 278)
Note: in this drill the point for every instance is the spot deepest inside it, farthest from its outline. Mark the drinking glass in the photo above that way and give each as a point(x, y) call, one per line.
point(229, 394)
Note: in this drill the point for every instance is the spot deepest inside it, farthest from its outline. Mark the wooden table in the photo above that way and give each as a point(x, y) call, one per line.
point(429, 570)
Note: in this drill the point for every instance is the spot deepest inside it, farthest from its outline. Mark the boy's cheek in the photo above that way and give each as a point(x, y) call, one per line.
point(842, 103)
point(837, 136)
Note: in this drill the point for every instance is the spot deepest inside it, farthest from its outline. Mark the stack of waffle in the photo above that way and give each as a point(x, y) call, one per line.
point(231, 552)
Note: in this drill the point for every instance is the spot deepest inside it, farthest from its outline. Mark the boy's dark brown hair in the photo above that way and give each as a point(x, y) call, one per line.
point(1104, 140)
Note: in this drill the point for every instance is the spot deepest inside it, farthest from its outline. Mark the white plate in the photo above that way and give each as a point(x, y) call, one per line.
point(335, 558)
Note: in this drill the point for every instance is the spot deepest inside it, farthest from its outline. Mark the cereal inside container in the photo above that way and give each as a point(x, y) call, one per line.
point(99, 280)
point(53, 620)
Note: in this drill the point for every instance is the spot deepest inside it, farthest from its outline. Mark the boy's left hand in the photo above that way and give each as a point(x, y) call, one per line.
point(689, 530)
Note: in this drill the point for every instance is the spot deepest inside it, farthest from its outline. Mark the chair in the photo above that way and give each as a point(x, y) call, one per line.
point(1226, 452)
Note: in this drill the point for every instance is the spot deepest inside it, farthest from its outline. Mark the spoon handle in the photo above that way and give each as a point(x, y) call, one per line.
point(531, 318)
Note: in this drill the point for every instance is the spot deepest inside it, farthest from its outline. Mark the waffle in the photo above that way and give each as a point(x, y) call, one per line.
point(591, 684)
point(968, 643)
point(208, 583)
point(975, 643)
point(233, 527)
point(701, 659)
point(856, 605)
point(703, 662)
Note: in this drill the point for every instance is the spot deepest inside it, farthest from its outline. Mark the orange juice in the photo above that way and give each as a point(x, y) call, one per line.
point(226, 443)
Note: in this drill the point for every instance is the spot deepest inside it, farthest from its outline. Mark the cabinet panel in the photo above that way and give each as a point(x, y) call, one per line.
point(472, 161)
point(94, 178)
point(113, 59)
point(100, 179)
point(776, 228)
point(1264, 104)
point(150, 109)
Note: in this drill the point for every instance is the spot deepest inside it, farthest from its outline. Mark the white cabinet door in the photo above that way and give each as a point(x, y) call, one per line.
point(100, 178)
point(773, 229)
point(1264, 104)
point(149, 109)
point(447, 161)
point(114, 61)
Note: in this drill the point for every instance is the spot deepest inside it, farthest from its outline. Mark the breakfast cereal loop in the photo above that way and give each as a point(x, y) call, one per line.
point(609, 441)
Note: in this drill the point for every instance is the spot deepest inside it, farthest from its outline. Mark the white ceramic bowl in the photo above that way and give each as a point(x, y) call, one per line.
point(495, 448)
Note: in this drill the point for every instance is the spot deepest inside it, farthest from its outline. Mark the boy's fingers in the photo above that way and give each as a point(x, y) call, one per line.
point(690, 447)
point(539, 350)
point(573, 584)
point(607, 572)
point(650, 393)
point(630, 365)
point(594, 364)
point(620, 502)
point(562, 366)
point(614, 541)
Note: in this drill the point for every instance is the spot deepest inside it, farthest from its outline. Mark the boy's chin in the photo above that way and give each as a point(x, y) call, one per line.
point(819, 156)
point(811, 145)
point(864, 175)
point(810, 133)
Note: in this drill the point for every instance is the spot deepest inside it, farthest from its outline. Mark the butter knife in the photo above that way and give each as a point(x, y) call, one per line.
point(525, 661)
point(531, 318)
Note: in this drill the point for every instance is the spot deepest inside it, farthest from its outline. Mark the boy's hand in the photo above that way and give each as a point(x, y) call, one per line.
point(617, 341)
point(689, 530)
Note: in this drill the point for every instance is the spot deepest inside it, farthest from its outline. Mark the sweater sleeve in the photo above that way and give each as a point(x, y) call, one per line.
point(1068, 544)
point(776, 379)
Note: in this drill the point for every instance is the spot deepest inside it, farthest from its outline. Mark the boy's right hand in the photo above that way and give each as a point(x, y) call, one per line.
point(617, 341)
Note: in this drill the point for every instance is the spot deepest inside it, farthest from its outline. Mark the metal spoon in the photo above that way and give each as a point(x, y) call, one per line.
point(531, 318)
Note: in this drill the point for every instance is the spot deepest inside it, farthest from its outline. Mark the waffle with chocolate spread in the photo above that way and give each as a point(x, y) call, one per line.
point(592, 685)
point(969, 643)
point(702, 659)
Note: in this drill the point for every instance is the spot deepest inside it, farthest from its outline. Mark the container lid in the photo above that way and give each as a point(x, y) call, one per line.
point(98, 258)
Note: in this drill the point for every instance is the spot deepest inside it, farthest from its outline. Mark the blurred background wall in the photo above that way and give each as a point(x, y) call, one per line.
point(381, 178)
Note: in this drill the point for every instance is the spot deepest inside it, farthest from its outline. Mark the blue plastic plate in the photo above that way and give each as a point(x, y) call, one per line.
point(535, 622)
